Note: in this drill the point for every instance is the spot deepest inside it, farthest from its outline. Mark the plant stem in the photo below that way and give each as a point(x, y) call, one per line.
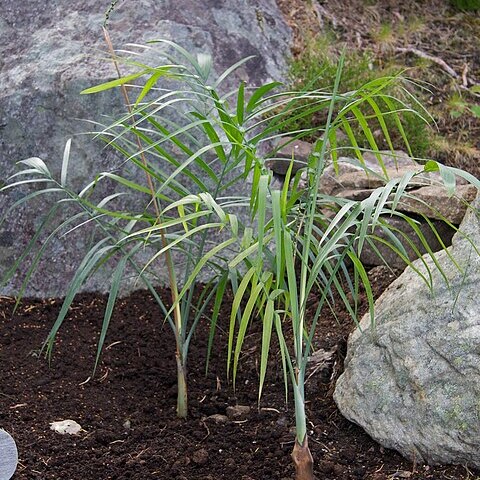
point(168, 254)
point(301, 455)
point(182, 395)
point(300, 417)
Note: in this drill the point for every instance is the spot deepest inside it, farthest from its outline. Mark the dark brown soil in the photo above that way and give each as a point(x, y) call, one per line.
point(128, 410)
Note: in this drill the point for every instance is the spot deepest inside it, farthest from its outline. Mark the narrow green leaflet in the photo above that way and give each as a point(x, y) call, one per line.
point(237, 300)
point(114, 83)
point(222, 284)
point(90, 261)
point(266, 336)
point(259, 93)
point(112, 298)
point(66, 158)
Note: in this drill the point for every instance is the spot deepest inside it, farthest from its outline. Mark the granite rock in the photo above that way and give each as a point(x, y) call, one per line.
point(413, 381)
point(426, 196)
point(48, 55)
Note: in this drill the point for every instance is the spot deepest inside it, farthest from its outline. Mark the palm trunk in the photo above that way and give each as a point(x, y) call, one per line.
point(301, 456)
point(303, 460)
point(182, 398)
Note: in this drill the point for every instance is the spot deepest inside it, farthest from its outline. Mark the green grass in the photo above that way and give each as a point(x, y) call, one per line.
point(315, 68)
point(470, 5)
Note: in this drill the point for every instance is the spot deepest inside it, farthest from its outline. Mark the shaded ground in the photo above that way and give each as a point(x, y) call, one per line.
point(128, 410)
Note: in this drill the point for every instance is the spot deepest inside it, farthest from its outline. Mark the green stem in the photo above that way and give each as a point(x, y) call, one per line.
point(312, 204)
point(300, 417)
point(182, 397)
point(182, 404)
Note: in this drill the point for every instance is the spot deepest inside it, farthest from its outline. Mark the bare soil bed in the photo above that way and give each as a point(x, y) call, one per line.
point(127, 411)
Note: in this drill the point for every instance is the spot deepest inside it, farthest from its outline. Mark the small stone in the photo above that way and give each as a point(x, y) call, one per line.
point(282, 421)
point(218, 418)
point(238, 412)
point(182, 462)
point(338, 470)
point(326, 466)
point(402, 474)
point(296, 149)
point(66, 427)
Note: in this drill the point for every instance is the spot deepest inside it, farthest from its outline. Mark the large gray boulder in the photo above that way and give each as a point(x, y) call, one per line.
point(413, 381)
point(48, 55)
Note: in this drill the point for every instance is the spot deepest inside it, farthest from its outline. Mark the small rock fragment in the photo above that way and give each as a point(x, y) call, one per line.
point(218, 418)
point(200, 457)
point(63, 427)
point(402, 474)
point(238, 412)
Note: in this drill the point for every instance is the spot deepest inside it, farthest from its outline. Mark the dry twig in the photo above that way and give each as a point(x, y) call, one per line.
point(464, 76)
point(432, 58)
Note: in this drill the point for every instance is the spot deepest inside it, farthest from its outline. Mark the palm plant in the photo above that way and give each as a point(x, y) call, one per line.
point(296, 225)
point(197, 147)
point(161, 224)
point(215, 151)
point(307, 245)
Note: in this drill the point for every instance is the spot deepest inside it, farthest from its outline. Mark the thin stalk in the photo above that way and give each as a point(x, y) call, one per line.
point(301, 456)
point(314, 194)
point(182, 387)
point(182, 394)
point(300, 416)
point(186, 338)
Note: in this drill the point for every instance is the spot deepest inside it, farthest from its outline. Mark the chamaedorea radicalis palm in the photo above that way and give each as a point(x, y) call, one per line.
point(202, 164)
point(186, 148)
point(293, 226)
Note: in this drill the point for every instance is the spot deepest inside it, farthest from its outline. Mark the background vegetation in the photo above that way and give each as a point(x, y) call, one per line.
point(434, 42)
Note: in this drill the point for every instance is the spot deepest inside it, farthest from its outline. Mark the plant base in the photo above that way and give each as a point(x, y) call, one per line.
point(303, 461)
